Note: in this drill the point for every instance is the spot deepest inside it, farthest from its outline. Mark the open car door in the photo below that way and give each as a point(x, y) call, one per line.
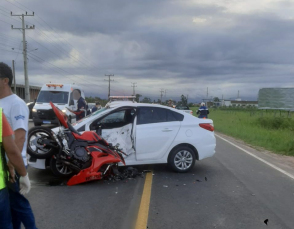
point(117, 128)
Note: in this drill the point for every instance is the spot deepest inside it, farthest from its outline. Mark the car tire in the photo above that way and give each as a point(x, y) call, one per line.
point(59, 169)
point(182, 159)
point(37, 150)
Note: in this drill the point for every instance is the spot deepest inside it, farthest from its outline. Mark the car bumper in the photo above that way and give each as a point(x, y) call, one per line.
point(40, 120)
point(37, 163)
point(207, 147)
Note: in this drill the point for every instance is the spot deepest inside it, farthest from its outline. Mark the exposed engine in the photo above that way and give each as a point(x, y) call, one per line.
point(81, 158)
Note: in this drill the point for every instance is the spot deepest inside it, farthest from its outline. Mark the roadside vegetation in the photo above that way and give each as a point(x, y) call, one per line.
point(272, 130)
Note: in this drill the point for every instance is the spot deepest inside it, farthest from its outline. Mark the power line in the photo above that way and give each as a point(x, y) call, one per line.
point(91, 83)
point(7, 50)
point(81, 59)
point(86, 61)
point(56, 68)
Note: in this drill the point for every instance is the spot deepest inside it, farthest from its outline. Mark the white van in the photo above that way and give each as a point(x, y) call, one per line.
point(62, 96)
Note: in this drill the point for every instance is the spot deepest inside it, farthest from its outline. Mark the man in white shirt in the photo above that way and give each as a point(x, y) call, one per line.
point(17, 113)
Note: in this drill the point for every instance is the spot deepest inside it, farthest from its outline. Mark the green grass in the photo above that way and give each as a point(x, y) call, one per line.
point(263, 129)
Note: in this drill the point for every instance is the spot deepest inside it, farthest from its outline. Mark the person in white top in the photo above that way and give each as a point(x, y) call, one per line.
point(17, 113)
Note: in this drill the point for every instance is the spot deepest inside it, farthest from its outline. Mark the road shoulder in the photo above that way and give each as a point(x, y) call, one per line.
point(283, 162)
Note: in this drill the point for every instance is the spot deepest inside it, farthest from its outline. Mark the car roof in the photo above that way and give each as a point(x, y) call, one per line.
point(131, 104)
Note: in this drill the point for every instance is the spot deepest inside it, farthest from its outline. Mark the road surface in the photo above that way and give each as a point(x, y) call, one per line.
point(230, 190)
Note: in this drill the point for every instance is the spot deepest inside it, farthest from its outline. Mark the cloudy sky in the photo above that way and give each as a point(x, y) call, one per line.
point(181, 46)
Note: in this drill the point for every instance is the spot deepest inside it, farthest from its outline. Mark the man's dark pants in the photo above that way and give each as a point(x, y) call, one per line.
point(21, 211)
point(5, 214)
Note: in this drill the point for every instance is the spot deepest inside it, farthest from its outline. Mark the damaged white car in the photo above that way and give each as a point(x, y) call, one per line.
point(146, 133)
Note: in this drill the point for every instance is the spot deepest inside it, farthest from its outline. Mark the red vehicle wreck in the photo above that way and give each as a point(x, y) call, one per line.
point(87, 154)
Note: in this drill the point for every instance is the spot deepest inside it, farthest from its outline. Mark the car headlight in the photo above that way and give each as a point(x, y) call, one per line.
point(34, 110)
point(64, 111)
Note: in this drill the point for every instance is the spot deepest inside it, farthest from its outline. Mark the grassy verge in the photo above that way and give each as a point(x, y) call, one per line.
point(269, 130)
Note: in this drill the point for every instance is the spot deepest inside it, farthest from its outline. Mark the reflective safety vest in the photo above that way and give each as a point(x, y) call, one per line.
point(2, 176)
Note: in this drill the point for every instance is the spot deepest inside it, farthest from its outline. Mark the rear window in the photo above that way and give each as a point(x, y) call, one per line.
point(148, 115)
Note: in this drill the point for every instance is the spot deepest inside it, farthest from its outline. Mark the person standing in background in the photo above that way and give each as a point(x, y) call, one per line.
point(82, 105)
point(203, 111)
point(97, 107)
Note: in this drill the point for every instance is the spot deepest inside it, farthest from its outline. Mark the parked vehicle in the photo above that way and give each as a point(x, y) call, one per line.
point(147, 134)
point(184, 109)
point(90, 106)
point(31, 106)
point(62, 96)
point(85, 155)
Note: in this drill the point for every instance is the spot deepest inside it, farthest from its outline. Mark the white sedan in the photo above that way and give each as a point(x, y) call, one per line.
point(150, 134)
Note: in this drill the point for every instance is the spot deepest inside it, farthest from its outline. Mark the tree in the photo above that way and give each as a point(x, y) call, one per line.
point(146, 100)
point(96, 99)
point(184, 100)
point(216, 99)
point(138, 97)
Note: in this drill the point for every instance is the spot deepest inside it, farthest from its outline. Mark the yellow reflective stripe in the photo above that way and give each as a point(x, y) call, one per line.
point(2, 178)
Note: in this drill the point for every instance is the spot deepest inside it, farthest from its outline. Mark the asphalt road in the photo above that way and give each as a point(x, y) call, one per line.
point(239, 192)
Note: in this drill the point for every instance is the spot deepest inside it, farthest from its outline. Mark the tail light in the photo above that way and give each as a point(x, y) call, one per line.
point(191, 112)
point(207, 126)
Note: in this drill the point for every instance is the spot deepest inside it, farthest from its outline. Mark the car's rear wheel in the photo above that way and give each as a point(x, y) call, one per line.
point(182, 159)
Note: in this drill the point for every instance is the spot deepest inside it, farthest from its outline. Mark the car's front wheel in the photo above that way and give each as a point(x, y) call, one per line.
point(182, 159)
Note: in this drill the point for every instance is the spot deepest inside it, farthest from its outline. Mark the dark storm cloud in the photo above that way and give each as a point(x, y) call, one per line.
point(157, 45)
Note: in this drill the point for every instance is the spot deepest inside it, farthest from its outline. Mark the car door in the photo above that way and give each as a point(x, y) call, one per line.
point(117, 128)
point(155, 131)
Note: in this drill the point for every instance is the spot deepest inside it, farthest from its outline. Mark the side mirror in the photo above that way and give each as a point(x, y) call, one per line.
point(71, 102)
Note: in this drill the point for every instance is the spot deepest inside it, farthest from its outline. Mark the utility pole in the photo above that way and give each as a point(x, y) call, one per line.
point(238, 94)
point(207, 93)
point(165, 94)
point(109, 83)
point(161, 94)
point(24, 44)
point(13, 72)
point(187, 99)
point(134, 85)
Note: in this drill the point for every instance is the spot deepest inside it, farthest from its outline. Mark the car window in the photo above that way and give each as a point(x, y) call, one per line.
point(149, 115)
point(174, 116)
point(114, 117)
point(114, 120)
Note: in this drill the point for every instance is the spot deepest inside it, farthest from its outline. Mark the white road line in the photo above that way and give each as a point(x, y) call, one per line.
point(258, 158)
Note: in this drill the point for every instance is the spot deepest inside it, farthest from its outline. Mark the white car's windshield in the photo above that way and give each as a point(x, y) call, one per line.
point(96, 113)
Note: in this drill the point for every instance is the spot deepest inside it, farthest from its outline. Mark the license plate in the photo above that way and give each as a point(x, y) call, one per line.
point(46, 122)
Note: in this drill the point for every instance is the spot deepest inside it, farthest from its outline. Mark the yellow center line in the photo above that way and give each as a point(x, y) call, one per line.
point(142, 218)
